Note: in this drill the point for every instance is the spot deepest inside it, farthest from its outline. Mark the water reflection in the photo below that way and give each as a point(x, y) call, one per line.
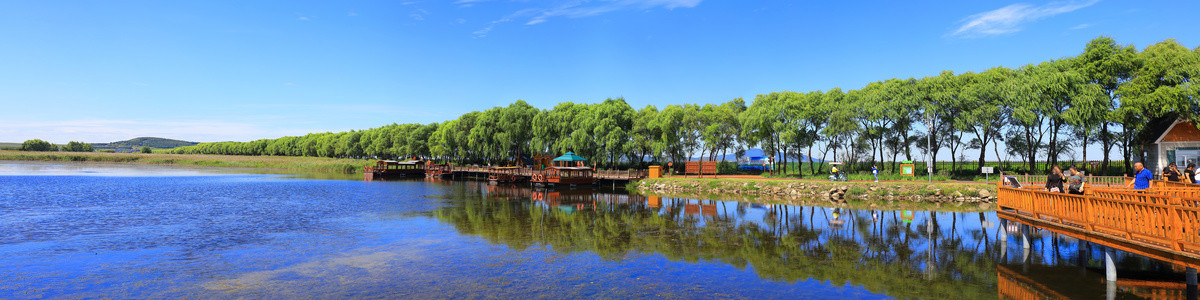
point(898, 253)
point(257, 236)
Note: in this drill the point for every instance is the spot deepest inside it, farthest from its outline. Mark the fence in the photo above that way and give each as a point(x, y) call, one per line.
point(1169, 222)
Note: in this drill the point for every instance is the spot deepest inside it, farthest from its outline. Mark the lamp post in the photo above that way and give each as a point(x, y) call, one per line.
point(929, 145)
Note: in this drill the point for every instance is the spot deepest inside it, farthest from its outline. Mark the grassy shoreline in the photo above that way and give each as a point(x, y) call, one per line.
point(284, 163)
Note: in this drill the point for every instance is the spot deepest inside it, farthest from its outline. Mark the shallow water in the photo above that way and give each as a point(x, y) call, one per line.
point(117, 231)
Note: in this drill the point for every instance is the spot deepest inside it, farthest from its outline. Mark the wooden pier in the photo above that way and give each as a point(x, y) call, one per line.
point(1159, 224)
point(390, 170)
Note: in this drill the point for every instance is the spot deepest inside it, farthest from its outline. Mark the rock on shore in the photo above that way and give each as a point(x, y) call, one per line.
point(832, 191)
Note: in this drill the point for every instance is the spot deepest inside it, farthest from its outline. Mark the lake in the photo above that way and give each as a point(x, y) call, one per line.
point(127, 231)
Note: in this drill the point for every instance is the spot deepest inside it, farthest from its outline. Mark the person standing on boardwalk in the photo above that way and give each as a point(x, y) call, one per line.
point(1141, 177)
point(1054, 182)
point(1171, 173)
point(875, 171)
point(1189, 174)
point(1075, 182)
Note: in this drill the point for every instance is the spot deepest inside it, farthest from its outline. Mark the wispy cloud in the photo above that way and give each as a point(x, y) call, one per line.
point(302, 19)
point(1081, 26)
point(577, 9)
point(419, 14)
point(1010, 19)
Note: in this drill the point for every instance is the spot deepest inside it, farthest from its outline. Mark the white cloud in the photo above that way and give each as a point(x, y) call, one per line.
point(302, 18)
point(1081, 26)
point(578, 9)
point(1009, 19)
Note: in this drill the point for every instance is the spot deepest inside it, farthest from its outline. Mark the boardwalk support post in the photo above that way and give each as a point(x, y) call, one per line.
point(1004, 232)
point(1025, 237)
point(1110, 266)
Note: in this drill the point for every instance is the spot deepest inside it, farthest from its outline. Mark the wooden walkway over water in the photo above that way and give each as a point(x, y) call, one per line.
point(610, 175)
point(1161, 223)
point(520, 174)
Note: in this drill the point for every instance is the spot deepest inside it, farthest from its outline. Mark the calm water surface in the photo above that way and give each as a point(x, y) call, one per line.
point(116, 231)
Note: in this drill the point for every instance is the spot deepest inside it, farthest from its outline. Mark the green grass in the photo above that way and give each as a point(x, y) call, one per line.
point(962, 170)
point(856, 190)
point(289, 163)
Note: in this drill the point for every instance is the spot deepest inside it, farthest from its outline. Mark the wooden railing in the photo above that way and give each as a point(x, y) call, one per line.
point(1168, 222)
point(600, 174)
point(621, 174)
point(1173, 184)
point(1039, 181)
point(1108, 181)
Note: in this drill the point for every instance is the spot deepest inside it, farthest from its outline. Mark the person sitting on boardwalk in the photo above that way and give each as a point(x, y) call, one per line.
point(1075, 182)
point(1141, 177)
point(1054, 182)
point(1171, 173)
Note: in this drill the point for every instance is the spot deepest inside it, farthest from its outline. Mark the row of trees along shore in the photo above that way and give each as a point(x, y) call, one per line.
point(40, 145)
point(1104, 97)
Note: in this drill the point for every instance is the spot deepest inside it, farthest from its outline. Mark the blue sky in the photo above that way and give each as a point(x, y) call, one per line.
point(100, 71)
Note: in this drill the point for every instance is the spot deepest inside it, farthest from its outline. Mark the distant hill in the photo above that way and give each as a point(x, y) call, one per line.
point(137, 143)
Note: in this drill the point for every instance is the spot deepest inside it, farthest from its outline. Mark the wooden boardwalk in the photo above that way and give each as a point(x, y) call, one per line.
point(1160, 223)
point(609, 175)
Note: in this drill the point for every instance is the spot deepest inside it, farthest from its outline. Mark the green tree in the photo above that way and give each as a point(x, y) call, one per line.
point(38, 145)
point(1110, 65)
point(1161, 84)
point(74, 146)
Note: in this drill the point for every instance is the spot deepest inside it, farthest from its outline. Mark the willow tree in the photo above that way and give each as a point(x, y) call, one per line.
point(986, 112)
point(1162, 84)
point(483, 137)
point(762, 122)
point(643, 135)
point(1109, 65)
point(722, 129)
point(515, 124)
point(611, 122)
point(938, 106)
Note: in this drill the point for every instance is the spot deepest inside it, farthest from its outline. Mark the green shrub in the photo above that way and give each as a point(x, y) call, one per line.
point(38, 145)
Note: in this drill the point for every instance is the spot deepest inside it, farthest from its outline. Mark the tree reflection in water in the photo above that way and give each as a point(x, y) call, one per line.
point(897, 253)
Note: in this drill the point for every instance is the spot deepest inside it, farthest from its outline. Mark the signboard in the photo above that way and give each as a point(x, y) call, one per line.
point(1094, 163)
point(907, 169)
point(987, 170)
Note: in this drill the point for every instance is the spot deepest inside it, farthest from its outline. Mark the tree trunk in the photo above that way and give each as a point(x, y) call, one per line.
point(812, 168)
point(1106, 146)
